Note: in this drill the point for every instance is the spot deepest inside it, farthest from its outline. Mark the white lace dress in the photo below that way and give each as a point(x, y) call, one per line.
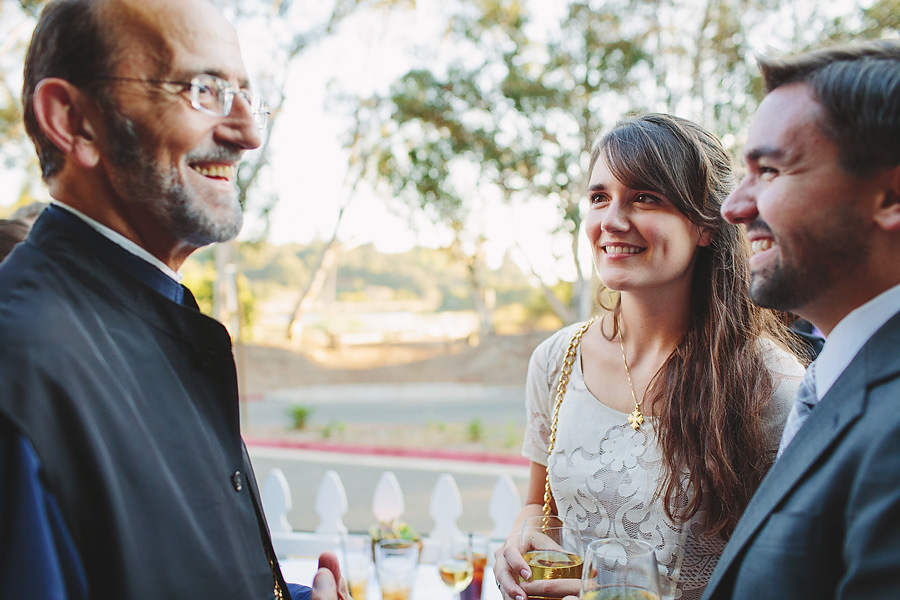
point(604, 474)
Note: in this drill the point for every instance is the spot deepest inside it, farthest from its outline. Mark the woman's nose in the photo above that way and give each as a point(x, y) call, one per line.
point(615, 218)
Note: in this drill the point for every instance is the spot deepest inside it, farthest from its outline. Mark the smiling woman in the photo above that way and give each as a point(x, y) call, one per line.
point(657, 419)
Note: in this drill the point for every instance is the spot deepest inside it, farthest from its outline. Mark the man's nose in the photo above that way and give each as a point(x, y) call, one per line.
point(740, 206)
point(239, 127)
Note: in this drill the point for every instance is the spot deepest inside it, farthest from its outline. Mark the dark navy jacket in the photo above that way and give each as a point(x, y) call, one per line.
point(126, 402)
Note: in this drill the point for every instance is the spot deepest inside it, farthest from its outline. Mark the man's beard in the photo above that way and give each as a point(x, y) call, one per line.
point(812, 264)
point(161, 191)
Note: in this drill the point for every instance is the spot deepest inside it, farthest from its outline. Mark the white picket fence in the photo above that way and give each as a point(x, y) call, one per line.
point(387, 506)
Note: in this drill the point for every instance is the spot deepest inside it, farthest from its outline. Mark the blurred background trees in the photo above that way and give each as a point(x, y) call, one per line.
point(500, 109)
point(523, 88)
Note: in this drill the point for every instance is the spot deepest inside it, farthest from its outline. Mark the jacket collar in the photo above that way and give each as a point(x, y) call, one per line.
point(844, 404)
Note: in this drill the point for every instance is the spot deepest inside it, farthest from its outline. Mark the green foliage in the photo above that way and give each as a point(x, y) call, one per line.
point(300, 415)
point(335, 427)
point(199, 273)
point(475, 430)
point(390, 531)
point(518, 103)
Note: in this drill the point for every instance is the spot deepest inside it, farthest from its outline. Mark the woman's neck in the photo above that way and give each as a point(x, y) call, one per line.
point(652, 328)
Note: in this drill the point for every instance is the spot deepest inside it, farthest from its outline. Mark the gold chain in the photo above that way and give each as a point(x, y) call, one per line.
point(560, 392)
point(635, 419)
point(279, 593)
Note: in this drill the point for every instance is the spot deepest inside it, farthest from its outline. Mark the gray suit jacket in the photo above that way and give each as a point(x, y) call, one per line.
point(825, 522)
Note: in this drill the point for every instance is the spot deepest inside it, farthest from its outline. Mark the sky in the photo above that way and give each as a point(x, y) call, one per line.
point(310, 165)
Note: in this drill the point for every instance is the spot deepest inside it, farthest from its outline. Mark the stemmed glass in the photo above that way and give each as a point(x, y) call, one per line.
point(552, 547)
point(620, 569)
point(455, 563)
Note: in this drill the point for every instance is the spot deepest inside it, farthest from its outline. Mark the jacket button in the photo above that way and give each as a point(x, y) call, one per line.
point(237, 480)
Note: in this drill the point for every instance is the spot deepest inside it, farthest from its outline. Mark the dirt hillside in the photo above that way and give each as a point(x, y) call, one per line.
point(494, 360)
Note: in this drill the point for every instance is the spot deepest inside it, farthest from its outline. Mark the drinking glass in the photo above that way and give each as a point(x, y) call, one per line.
point(356, 560)
point(480, 545)
point(455, 564)
point(552, 547)
point(620, 569)
point(396, 562)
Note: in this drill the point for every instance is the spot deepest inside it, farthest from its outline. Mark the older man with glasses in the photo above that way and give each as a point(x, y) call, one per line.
point(124, 471)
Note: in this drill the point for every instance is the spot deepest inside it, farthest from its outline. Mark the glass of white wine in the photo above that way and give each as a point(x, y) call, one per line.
point(455, 563)
point(620, 569)
point(552, 547)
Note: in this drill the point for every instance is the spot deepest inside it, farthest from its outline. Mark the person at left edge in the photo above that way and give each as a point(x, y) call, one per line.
point(124, 473)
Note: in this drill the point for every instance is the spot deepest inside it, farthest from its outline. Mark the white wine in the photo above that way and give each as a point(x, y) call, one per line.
point(619, 592)
point(553, 564)
point(456, 573)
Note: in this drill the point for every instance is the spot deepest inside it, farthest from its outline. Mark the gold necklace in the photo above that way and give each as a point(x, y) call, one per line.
point(636, 418)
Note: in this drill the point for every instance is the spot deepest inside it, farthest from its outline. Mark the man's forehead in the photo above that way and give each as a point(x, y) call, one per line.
point(787, 119)
point(177, 36)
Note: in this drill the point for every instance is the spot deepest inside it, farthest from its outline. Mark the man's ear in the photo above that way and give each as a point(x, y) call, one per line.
point(887, 213)
point(60, 110)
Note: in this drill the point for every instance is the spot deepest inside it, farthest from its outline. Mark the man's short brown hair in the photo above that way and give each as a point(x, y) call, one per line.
point(858, 86)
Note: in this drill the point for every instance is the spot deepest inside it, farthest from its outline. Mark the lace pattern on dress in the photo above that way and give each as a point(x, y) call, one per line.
point(605, 474)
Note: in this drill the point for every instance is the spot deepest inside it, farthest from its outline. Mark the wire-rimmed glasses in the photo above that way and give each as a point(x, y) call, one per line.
point(212, 95)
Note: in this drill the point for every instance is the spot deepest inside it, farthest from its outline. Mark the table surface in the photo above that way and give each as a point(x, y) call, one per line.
point(428, 584)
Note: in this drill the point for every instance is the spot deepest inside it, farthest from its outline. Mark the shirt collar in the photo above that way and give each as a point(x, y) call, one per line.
point(121, 241)
point(851, 334)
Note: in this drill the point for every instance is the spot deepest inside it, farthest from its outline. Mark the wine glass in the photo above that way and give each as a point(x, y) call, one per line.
point(552, 547)
point(455, 563)
point(620, 569)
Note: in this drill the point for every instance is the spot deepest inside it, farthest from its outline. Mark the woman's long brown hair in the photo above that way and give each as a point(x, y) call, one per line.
point(713, 389)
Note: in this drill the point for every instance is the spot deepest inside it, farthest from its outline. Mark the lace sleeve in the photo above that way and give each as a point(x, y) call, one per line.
point(540, 391)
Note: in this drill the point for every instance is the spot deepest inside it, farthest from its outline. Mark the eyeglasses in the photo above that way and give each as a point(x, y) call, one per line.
point(213, 95)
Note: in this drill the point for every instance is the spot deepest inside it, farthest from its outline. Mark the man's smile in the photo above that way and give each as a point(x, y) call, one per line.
point(216, 171)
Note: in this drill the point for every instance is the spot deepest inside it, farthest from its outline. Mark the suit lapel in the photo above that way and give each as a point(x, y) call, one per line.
point(841, 407)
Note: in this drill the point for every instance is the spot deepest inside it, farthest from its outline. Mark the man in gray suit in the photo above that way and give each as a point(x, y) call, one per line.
point(821, 206)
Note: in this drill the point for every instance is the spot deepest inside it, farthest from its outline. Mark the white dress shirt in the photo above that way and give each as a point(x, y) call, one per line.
point(851, 334)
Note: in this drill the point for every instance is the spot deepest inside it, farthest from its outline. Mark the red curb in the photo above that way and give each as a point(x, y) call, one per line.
point(391, 451)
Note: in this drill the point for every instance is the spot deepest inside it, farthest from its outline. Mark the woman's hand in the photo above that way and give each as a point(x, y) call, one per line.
point(513, 576)
point(509, 566)
point(553, 588)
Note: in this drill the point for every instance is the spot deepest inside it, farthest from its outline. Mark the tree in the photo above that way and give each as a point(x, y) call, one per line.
point(511, 110)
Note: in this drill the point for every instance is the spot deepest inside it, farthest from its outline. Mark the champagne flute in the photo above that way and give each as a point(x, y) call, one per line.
point(620, 569)
point(552, 547)
point(455, 563)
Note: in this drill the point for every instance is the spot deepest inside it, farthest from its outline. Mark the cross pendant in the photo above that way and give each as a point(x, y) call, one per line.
point(635, 419)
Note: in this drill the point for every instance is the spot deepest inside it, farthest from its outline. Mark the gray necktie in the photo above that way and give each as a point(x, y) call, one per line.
point(803, 405)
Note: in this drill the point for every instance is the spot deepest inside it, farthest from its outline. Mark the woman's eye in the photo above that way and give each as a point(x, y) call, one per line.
point(647, 199)
point(597, 198)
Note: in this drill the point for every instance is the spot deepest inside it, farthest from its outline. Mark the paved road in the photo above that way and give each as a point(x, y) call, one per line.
point(359, 473)
point(394, 403)
point(414, 404)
